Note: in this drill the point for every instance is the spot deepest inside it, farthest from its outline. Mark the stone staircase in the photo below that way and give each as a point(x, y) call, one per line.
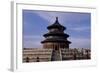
point(56, 55)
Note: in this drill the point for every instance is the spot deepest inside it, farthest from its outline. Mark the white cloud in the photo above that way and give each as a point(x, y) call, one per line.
point(32, 44)
point(32, 41)
point(80, 28)
point(63, 17)
point(80, 43)
point(67, 17)
point(51, 16)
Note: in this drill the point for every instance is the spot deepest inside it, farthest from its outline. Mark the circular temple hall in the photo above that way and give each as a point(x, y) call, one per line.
point(56, 38)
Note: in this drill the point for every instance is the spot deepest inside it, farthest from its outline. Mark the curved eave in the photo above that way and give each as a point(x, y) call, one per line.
point(56, 34)
point(56, 26)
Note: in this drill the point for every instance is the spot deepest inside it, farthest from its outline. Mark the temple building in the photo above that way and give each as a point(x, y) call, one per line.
point(56, 38)
point(55, 47)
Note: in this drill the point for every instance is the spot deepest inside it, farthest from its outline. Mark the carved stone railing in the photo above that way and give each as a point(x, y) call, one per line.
point(61, 54)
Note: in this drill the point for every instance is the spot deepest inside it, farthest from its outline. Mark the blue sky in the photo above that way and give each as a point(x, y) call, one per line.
point(35, 25)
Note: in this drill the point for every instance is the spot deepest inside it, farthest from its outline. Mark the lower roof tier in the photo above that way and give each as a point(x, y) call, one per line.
point(56, 40)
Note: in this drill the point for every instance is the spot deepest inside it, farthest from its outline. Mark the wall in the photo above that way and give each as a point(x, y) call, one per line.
point(5, 41)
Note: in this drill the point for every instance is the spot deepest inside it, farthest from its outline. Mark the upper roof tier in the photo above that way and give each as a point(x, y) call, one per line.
point(56, 34)
point(56, 25)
